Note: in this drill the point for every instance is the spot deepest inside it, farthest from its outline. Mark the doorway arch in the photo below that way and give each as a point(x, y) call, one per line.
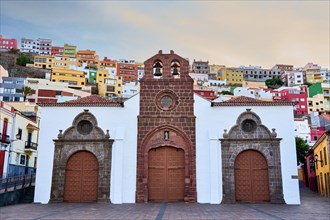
point(166, 174)
point(251, 177)
point(81, 178)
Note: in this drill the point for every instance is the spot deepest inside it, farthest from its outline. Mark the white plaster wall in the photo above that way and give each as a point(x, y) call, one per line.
point(302, 130)
point(122, 124)
point(241, 91)
point(210, 123)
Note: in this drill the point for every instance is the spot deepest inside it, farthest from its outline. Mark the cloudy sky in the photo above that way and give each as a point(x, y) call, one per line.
point(223, 32)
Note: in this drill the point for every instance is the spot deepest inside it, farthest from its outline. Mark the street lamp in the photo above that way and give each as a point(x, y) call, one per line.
point(316, 159)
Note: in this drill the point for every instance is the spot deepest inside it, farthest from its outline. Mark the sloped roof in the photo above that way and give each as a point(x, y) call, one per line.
point(247, 101)
point(92, 100)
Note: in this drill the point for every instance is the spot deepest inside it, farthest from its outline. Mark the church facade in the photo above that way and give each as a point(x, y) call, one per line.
point(167, 144)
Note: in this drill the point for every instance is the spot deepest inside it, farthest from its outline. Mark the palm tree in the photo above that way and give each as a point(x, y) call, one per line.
point(26, 92)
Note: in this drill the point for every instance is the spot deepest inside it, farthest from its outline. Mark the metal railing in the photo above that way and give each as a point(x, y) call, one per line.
point(31, 145)
point(17, 182)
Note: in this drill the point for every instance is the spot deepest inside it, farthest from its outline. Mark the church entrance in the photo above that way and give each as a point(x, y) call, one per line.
point(166, 174)
point(81, 178)
point(251, 177)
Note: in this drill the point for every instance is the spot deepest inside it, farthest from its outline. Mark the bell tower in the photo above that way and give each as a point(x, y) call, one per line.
point(166, 157)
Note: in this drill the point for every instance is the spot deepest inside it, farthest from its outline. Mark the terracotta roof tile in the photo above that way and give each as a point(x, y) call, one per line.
point(92, 100)
point(247, 101)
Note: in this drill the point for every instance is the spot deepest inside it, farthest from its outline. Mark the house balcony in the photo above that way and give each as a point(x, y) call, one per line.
point(30, 147)
point(5, 139)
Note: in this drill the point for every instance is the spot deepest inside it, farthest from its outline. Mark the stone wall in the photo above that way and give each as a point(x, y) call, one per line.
point(82, 138)
point(166, 104)
point(250, 134)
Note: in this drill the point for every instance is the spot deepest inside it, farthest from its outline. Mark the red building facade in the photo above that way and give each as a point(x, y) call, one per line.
point(8, 43)
point(57, 51)
point(166, 159)
point(208, 94)
point(127, 70)
point(294, 95)
point(317, 132)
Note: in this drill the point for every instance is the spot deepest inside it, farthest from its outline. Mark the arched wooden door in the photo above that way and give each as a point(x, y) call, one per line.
point(251, 177)
point(81, 178)
point(166, 174)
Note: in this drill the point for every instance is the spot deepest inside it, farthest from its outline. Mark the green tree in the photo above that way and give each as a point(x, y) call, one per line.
point(301, 149)
point(274, 83)
point(226, 93)
point(26, 91)
point(23, 59)
point(308, 84)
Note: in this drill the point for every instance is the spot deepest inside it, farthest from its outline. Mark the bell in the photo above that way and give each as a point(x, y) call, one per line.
point(157, 72)
point(175, 71)
point(158, 65)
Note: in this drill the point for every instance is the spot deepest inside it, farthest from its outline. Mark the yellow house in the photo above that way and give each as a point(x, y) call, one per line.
point(326, 92)
point(313, 73)
point(214, 68)
point(313, 77)
point(322, 167)
point(233, 76)
point(316, 103)
point(76, 79)
point(44, 62)
point(253, 84)
point(64, 62)
point(101, 75)
point(111, 87)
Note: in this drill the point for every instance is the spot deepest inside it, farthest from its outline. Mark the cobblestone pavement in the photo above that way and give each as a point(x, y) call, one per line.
point(313, 206)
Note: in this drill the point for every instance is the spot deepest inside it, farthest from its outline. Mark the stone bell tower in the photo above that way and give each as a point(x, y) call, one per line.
point(166, 158)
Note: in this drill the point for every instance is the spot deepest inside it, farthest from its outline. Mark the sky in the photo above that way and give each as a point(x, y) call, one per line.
point(230, 33)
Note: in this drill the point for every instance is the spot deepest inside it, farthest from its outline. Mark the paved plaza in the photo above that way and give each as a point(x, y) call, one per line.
point(313, 206)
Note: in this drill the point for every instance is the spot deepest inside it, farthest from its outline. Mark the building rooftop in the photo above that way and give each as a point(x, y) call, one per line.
point(88, 101)
point(247, 101)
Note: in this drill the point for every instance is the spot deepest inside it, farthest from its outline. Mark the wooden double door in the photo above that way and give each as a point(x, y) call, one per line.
point(81, 178)
point(166, 174)
point(251, 177)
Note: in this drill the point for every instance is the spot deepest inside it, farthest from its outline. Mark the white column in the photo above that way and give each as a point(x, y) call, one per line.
point(215, 168)
point(6, 163)
point(116, 190)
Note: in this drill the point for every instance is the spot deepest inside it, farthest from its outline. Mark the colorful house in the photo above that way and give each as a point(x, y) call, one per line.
point(313, 73)
point(24, 149)
point(44, 62)
point(322, 167)
point(296, 94)
point(316, 103)
point(111, 87)
point(76, 79)
point(7, 114)
point(57, 51)
point(70, 50)
point(233, 76)
point(127, 69)
point(8, 43)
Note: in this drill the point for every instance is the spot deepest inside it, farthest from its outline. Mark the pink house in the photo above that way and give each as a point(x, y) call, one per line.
point(298, 94)
point(316, 133)
point(8, 43)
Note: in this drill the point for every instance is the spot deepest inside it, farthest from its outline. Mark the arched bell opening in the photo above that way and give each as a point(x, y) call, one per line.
point(158, 69)
point(175, 69)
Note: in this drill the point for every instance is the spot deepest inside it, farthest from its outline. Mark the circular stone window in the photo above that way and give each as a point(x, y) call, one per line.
point(84, 127)
point(249, 125)
point(166, 101)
